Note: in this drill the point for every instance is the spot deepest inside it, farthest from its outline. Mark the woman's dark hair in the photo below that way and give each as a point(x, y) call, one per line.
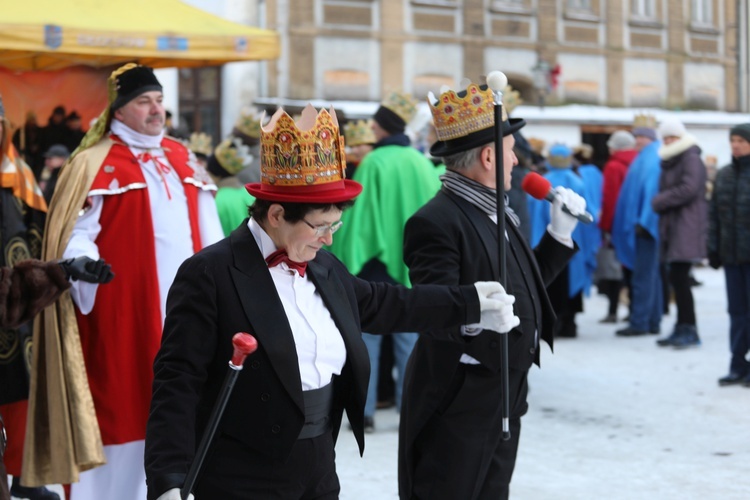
point(293, 212)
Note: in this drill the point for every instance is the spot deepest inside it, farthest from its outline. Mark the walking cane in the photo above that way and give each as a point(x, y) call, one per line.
point(497, 81)
point(244, 344)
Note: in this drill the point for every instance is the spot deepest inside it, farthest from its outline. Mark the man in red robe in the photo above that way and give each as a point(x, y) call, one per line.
point(139, 200)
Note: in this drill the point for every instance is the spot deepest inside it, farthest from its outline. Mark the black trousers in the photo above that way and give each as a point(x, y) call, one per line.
point(679, 277)
point(236, 472)
point(460, 454)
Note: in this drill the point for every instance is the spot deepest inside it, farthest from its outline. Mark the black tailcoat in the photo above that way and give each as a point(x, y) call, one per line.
point(449, 241)
point(227, 288)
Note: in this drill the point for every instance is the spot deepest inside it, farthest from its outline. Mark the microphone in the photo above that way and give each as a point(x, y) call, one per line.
point(541, 189)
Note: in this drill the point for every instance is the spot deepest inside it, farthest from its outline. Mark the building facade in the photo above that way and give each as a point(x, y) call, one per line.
point(674, 54)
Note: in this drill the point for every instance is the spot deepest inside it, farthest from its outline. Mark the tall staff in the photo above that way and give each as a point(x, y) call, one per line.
point(497, 81)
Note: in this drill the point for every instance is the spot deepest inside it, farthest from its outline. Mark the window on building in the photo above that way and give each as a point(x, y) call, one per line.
point(645, 9)
point(702, 11)
point(353, 14)
point(200, 101)
point(579, 4)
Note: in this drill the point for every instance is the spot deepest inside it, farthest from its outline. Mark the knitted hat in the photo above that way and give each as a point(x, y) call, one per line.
point(57, 151)
point(560, 156)
point(671, 127)
point(133, 82)
point(621, 139)
point(741, 130)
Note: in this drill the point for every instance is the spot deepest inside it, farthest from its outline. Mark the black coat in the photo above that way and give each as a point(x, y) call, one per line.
point(450, 241)
point(227, 288)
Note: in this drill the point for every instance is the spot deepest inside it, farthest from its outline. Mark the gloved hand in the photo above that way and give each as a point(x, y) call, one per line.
point(561, 225)
point(87, 269)
point(496, 307)
point(173, 494)
point(714, 260)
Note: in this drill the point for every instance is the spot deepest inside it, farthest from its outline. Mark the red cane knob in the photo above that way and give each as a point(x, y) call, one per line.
point(244, 344)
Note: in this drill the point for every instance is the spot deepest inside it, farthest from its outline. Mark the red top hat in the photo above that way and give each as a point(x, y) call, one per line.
point(303, 162)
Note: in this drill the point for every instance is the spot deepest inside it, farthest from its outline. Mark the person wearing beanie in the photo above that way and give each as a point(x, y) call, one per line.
point(729, 246)
point(635, 232)
point(682, 208)
point(567, 290)
point(232, 199)
point(138, 199)
point(397, 180)
point(54, 158)
point(272, 277)
point(622, 151)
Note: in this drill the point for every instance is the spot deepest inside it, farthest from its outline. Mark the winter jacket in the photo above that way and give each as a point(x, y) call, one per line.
point(681, 202)
point(614, 175)
point(729, 214)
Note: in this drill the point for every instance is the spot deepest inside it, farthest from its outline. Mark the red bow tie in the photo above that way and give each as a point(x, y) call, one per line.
point(280, 256)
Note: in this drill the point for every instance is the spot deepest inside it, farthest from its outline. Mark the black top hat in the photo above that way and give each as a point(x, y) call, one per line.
point(133, 83)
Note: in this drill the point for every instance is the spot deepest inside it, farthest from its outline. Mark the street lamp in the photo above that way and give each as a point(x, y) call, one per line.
point(541, 76)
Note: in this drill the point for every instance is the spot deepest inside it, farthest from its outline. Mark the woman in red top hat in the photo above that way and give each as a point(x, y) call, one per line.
point(272, 279)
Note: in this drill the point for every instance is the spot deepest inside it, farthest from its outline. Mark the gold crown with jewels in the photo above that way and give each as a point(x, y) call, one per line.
point(200, 143)
point(645, 120)
point(232, 155)
point(458, 114)
point(405, 106)
point(248, 123)
point(359, 132)
point(306, 153)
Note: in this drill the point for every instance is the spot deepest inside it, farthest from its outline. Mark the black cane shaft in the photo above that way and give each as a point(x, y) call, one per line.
point(500, 193)
point(208, 435)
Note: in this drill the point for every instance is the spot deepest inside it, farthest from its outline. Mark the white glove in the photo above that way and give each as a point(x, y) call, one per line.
point(173, 494)
point(496, 307)
point(561, 224)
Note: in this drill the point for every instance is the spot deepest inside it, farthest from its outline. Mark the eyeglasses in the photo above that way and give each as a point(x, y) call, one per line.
point(321, 230)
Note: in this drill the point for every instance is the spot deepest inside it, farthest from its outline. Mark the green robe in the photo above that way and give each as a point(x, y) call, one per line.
point(232, 203)
point(397, 181)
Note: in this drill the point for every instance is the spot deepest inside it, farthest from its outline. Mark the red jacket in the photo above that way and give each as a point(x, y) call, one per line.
point(614, 175)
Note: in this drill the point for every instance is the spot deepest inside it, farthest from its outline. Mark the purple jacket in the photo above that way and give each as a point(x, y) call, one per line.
point(681, 202)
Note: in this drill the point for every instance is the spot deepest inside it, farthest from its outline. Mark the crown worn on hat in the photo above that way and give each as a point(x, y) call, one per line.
point(359, 132)
point(644, 120)
point(303, 162)
point(465, 120)
point(404, 106)
point(200, 143)
point(247, 126)
point(232, 156)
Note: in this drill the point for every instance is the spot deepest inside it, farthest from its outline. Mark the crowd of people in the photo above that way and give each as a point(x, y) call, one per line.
point(139, 255)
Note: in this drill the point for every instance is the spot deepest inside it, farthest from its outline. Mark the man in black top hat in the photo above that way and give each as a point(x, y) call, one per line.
point(450, 439)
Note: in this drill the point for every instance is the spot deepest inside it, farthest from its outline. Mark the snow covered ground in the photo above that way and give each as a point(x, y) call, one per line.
point(610, 417)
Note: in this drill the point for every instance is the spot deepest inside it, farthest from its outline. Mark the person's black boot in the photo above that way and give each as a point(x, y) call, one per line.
point(669, 341)
point(688, 338)
point(39, 493)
